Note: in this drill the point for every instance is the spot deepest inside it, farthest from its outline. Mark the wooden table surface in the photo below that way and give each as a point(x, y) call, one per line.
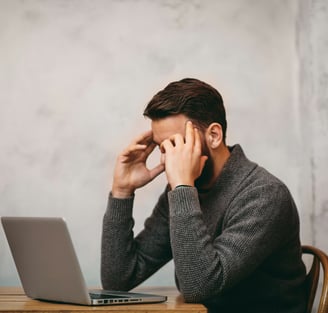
point(13, 299)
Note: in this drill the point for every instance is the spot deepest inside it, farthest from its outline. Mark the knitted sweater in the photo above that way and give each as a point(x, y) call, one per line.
point(235, 248)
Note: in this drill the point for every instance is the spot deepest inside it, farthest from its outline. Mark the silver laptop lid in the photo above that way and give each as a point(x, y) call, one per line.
point(45, 259)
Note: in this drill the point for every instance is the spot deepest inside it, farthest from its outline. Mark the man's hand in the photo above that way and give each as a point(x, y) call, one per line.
point(184, 161)
point(131, 171)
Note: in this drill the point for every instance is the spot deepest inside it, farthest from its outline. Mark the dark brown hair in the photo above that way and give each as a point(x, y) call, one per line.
point(198, 101)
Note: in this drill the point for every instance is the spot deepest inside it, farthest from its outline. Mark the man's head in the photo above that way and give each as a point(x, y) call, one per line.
point(194, 100)
point(198, 101)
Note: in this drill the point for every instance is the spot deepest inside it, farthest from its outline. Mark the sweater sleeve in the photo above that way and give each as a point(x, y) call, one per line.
point(127, 261)
point(253, 229)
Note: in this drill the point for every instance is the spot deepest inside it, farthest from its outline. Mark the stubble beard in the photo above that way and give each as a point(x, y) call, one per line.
point(204, 181)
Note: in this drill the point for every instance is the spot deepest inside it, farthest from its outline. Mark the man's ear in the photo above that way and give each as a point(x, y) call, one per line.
point(214, 135)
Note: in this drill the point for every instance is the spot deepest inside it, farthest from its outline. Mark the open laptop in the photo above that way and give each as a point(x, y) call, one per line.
point(48, 266)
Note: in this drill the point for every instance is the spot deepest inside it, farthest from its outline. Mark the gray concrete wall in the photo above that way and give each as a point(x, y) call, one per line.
point(312, 47)
point(76, 75)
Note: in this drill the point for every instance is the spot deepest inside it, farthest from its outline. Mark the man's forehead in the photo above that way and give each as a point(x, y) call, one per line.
point(159, 138)
point(164, 128)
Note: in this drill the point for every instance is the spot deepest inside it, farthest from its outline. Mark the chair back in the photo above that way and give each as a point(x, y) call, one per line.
point(312, 278)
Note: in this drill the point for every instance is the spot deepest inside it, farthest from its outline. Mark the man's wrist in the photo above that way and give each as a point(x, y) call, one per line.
point(181, 186)
point(122, 194)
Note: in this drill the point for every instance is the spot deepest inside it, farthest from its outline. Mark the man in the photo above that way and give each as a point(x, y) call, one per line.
point(231, 227)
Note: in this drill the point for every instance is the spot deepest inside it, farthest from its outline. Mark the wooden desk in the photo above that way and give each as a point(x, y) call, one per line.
point(13, 299)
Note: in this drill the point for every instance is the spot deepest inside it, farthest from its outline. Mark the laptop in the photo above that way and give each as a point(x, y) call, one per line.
point(48, 266)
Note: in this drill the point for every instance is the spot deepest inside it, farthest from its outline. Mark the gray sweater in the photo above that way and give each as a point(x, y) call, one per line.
point(235, 248)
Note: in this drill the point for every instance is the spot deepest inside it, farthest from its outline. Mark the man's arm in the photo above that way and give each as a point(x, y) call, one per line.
point(127, 261)
point(207, 266)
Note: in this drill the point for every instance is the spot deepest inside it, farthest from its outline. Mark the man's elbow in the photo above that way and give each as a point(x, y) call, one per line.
point(193, 295)
point(198, 293)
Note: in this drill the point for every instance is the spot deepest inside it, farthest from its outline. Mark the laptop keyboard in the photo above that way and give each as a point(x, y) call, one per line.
point(104, 296)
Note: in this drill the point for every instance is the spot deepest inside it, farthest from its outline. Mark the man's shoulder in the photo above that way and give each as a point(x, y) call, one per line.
point(262, 176)
point(248, 174)
point(257, 184)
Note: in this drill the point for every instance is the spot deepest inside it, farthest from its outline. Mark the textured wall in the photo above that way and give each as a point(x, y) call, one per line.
point(312, 46)
point(76, 75)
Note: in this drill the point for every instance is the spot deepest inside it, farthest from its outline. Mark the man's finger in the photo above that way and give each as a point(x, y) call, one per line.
point(177, 140)
point(166, 145)
point(144, 138)
point(157, 170)
point(190, 138)
point(198, 141)
point(150, 148)
point(133, 148)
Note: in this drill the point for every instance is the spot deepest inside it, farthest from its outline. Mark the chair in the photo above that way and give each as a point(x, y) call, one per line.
point(312, 278)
